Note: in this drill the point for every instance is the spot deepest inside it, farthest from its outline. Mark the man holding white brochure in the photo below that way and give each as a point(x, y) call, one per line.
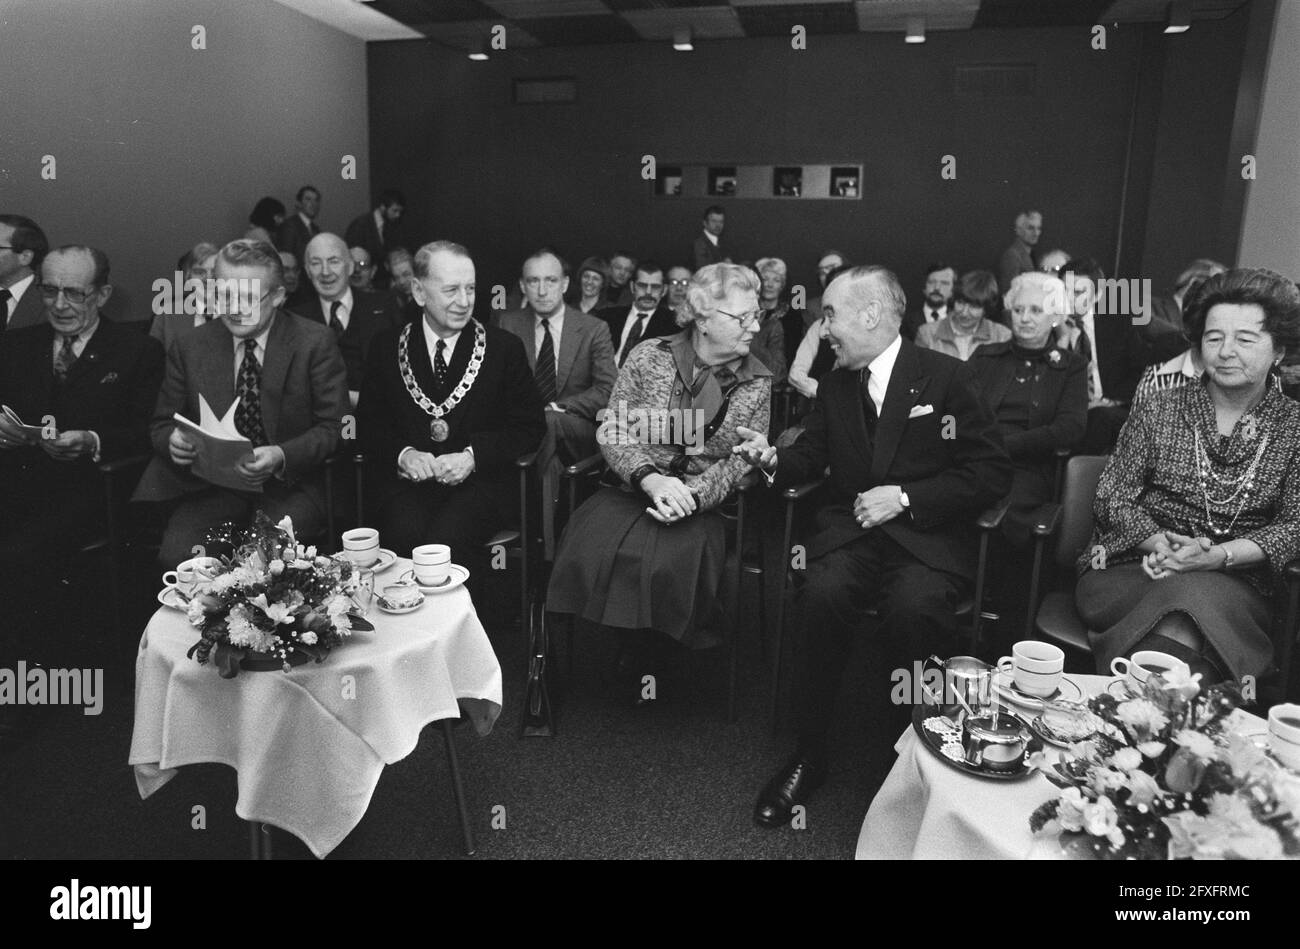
point(278, 378)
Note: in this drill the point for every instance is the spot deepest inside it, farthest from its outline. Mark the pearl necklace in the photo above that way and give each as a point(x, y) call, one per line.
point(1240, 486)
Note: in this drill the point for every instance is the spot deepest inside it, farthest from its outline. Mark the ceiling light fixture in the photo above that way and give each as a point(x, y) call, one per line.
point(682, 40)
point(915, 29)
point(478, 52)
point(1180, 16)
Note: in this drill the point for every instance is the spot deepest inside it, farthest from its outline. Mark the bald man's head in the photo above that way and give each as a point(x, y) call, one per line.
point(329, 265)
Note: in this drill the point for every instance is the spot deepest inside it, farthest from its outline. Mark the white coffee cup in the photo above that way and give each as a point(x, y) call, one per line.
point(1284, 734)
point(190, 573)
point(1035, 667)
point(361, 546)
point(432, 563)
point(1142, 665)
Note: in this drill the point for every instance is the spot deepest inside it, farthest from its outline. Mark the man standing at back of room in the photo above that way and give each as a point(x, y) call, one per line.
point(1018, 258)
point(708, 248)
point(300, 227)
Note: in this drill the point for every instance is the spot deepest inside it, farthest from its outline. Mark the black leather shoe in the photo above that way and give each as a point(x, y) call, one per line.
point(792, 785)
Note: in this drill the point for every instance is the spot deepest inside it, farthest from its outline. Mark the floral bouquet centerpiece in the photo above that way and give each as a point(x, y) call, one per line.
point(1167, 779)
point(277, 604)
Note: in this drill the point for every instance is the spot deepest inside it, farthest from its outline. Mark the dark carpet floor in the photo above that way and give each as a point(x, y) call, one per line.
point(675, 780)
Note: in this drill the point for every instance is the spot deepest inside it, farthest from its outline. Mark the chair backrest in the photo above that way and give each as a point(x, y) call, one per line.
point(1082, 472)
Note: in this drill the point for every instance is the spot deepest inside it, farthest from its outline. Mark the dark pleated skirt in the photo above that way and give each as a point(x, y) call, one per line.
point(617, 566)
point(1125, 604)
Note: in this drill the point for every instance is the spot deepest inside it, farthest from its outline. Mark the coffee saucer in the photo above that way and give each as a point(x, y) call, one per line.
point(1120, 690)
point(173, 598)
point(383, 605)
point(456, 576)
point(1004, 685)
point(386, 559)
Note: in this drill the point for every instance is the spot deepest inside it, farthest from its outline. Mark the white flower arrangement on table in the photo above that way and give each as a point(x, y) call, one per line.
point(275, 599)
point(1168, 779)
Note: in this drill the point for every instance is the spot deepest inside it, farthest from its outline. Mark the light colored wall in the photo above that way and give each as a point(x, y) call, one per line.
point(1270, 232)
point(158, 145)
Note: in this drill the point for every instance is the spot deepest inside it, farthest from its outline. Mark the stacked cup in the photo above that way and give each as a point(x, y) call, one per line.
point(361, 546)
point(190, 573)
point(1035, 667)
point(432, 564)
point(1143, 665)
point(1284, 734)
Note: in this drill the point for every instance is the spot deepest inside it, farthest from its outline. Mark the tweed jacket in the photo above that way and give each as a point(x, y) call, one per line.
point(651, 381)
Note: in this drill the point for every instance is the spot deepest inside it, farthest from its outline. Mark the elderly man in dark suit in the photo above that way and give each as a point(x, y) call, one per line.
point(707, 248)
point(648, 317)
point(22, 245)
point(356, 317)
point(300, 227)
point(286, 383)
point(447, 407)
point(572, 360)
point(914, 455)
point(90, 384)
point(1018, 257)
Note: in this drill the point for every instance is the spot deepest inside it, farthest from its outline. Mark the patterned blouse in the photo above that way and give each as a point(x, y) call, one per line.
point(1152, 482)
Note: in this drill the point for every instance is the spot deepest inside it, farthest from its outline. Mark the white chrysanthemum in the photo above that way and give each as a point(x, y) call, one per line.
point(1143, 788)
point(309, 638)
point(342, 625)
point(1102, 820)
point(195, 612)
point(1141, 715)
point(1126, 759)
point(1152, 749)
point(277, 567)
point(337, 605)
point(1197, 743)
point(301, 564)
point(246, 575)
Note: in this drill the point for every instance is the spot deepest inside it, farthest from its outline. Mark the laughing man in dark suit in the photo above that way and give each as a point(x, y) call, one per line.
point(914, 455)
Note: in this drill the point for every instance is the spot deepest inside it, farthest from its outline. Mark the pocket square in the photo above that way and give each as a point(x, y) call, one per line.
point(919, 410)
point(111, 377)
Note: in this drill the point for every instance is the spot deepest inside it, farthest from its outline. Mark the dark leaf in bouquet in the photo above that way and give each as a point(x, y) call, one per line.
point(227, 658)
point(360, 624)
point(317, 651)
point(1044, 813)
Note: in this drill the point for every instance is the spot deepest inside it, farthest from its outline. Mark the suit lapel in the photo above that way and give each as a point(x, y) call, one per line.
point(905, 384)
point(91, 358)
point(568, 347)
point(216, 376)
point(529, 336)
point(42, 356)
point(275, 368)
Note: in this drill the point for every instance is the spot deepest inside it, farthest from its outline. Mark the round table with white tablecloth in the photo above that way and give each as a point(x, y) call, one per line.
point(929, 810)
point(309, 745)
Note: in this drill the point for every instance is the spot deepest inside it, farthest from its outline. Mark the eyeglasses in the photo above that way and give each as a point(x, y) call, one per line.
point(74, 295)
point(679, 283)
point(746, 320)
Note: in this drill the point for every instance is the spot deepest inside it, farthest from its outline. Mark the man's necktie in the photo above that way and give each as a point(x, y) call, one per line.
point(440, 365)
point(633, 337)
point(545, 371)
point(248, 416)
point(1083, 346)
point(336, 322)
point(64, 359)
point(868, 404)
point(5, 297)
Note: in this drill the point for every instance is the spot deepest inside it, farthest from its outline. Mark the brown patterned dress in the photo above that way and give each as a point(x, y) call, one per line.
point(1154, 482)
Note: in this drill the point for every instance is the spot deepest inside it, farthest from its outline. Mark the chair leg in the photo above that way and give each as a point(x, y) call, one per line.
point(359, 470)
point(254, 840)
point(780, 616)
point(457, 790)
point(573, 622)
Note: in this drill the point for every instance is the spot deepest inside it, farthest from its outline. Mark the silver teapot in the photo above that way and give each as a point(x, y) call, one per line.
point(966, 677)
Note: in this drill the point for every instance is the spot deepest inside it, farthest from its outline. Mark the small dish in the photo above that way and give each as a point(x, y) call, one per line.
point(456, 576)
point(1004, 685)
point(1045, 731)
point(384, 606)
point(386, 559)
point(1120, 690)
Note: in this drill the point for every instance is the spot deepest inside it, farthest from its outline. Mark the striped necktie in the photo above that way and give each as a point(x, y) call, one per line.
point(545, 371)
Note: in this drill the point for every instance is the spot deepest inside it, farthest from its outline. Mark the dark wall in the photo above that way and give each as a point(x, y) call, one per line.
point(504, 178)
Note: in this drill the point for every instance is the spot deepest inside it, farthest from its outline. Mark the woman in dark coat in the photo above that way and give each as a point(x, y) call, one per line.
point(1038, 394)
point(1198, 511)
point(648, 555)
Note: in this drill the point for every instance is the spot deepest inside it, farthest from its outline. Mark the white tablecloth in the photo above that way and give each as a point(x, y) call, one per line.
point(309, 745)
point(928, 810)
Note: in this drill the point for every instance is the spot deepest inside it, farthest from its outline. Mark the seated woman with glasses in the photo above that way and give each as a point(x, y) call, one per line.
point(647, 557)
point(1198, 511)
point(973, 322)
point(1038, 394)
